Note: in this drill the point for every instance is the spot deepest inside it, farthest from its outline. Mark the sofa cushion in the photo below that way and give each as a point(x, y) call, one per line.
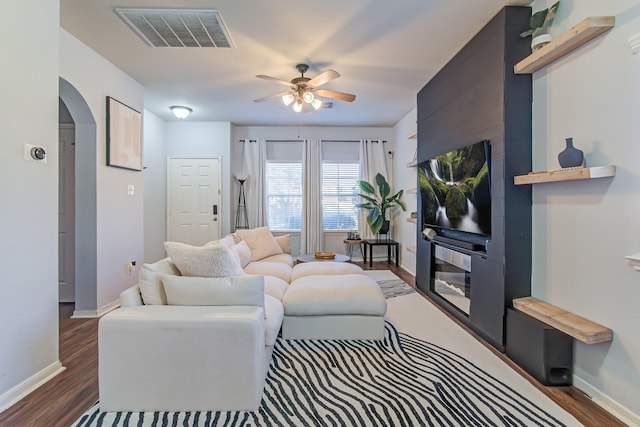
point(150, 281)
point(277, 269)
point(285, 243)
point(349, 294)
point(275, 286)
point(261, 242)
point(238, 290)
point(215, 260)
point(282, 259)
point(317, 268)
point(274, 313)
point(244, 253)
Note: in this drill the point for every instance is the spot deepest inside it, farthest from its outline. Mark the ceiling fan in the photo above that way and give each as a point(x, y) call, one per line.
point(304, 90)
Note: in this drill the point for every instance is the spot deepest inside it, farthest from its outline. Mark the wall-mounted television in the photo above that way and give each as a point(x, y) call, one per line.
point(455, 193)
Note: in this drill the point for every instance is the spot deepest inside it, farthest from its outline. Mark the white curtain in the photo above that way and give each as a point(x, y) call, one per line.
point(311, 238)
point(253, 166)
point(373, 160)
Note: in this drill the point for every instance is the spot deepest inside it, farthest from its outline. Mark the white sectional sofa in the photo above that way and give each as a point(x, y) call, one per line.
point(185, 341)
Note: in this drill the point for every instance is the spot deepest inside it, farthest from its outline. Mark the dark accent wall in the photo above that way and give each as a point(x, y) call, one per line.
point(477, 96)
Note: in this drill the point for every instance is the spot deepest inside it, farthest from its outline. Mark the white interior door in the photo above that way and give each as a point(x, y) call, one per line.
point(193, 199)
point(66, 213)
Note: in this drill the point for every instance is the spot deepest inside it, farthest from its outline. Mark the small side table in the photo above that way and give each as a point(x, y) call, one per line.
point(350, 243)
point(370, 243)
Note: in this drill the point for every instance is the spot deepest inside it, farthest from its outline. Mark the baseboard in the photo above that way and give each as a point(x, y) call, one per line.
point(84, 314)
point(18, 392)
point(610, 405)
point(408, 269)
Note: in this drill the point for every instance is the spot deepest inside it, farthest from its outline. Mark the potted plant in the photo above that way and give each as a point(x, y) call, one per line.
point(377, 202)
point(539, 22)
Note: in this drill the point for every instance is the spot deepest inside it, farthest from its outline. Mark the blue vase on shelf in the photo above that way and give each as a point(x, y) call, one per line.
point(571, 157)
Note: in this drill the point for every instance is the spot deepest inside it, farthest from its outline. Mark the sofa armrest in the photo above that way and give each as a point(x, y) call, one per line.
point(181, 358)
point(131, 297)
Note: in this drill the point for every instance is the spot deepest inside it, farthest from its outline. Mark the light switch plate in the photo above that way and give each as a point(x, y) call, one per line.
point(130, 190)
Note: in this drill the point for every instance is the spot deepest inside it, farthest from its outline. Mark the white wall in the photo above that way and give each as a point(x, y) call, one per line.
point(120, 219)
point(406, 178)
point(29, 215)
point(583, 229)
point(155, 187)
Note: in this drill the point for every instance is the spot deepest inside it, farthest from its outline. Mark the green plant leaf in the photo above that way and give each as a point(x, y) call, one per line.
point(383, 186)
point(366, 187)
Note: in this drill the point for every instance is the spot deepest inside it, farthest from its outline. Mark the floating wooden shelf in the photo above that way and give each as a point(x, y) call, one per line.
point(412, 164)
point(412, 249)
point(571, 324)
point(413, 135)
point(412, 191)
point(578, 35)
point(412, 220)
point(568, 174)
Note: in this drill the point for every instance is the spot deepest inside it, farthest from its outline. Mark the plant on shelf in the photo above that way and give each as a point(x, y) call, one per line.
point(538, 23)
point(377, 202)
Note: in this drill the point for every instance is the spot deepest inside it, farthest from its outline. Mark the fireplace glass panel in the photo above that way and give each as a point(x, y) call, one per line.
point(452, 277)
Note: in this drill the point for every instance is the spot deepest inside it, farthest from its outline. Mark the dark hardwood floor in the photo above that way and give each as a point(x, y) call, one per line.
point(63, 399)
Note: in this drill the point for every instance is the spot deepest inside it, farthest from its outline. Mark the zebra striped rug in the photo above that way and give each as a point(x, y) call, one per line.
point(400, 381)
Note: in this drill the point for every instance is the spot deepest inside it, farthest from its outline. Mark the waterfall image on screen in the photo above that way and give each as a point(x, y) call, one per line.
point(455, 191)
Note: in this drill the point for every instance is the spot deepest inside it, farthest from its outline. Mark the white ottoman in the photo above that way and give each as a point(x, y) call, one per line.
point(323, 268)
point(347, 306)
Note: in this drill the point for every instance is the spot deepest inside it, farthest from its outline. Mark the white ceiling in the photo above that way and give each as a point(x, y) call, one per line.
point(385, 51)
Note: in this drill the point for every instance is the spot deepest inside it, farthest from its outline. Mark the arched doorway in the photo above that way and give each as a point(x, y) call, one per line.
point(85, 199)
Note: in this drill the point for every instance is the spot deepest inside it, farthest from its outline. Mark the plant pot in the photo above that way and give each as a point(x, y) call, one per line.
point(385, 227)
point(540, 41)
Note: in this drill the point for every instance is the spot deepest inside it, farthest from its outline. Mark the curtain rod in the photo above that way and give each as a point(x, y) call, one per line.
point(323, 140)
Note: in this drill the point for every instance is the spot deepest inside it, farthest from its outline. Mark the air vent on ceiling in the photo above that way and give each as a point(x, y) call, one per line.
point(178, 27)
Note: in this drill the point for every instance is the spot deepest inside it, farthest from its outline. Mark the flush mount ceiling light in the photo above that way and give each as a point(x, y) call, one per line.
point(180, 112)
point(304, 90)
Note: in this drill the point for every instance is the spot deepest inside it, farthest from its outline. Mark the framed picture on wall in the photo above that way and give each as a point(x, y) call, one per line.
point(124, 136)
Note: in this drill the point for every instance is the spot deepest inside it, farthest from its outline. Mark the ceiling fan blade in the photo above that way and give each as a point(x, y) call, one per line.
point(323, 78)
point(273, 79)
point(335, 95)
point(267, 98)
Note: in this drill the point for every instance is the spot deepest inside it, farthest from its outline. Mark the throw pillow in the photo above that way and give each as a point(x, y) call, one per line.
point(261, 242)
point(244, 253)
point(245, 290)
point(285, 243)
point(204, 261)
point(150, 281)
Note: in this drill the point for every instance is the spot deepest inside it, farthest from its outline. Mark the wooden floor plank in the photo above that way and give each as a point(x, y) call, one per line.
point(63, 399)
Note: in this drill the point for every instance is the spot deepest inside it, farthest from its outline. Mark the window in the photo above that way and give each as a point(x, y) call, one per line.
point(284, 196)
point(340, 196)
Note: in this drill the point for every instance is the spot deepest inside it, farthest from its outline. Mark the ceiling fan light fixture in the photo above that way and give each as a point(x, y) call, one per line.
point(180, 111)
point(297, 107)
point(316, 103)
point(308, 97)
point(288, 99)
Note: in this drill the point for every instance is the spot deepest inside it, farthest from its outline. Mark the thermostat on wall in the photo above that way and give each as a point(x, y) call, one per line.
point(35, 153)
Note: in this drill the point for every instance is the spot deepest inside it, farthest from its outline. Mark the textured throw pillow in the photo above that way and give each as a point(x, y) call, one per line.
point(285, 243)
point(244, 253)
point(261, 242)
point(245, 290)
point(204, 261)
point(150, 281)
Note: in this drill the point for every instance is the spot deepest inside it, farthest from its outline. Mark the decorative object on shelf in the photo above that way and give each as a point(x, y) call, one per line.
point(571, 157)
point(414, 214)
point(538, 23)
point(353, 235)
point(324, 254)
point(242, 221)
point(567, 42)
point(377, 202)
